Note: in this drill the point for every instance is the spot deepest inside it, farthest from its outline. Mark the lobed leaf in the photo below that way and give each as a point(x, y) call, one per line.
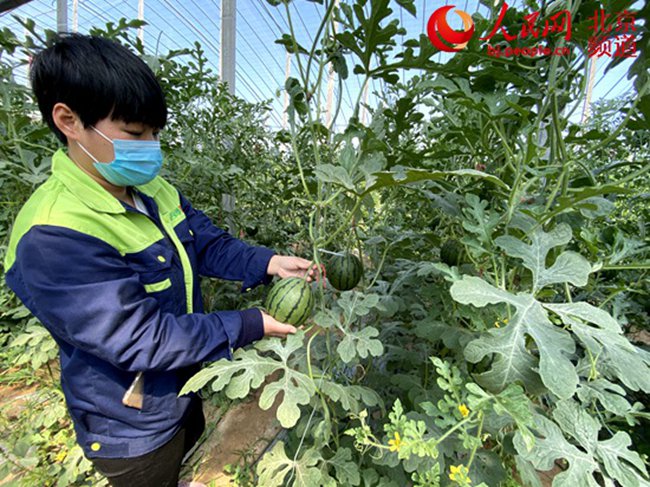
point(513, 361)
point(248, 370)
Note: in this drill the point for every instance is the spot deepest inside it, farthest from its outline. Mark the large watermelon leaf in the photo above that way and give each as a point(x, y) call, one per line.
point(248, 369)
point(404, 175)
point(628, 363)
point(552, 446)
point(611, 396)
point(617, 356)
point(596, 329)
point(555, 346)
point(513, 361)
point(347, 471)
point(281, 365)
point(568, 267)
point(274, 467)
point(610, 457)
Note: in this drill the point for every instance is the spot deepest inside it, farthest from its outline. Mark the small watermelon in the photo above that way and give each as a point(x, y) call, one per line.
point(451, 252)
point(290, 301)
point(344, 271)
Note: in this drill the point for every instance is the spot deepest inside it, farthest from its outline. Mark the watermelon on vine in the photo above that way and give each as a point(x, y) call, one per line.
point(344, 271)
point(452, 252)
point(290, 301)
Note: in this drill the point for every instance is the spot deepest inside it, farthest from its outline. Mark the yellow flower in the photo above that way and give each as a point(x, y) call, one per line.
point(464, 410)
point(458, 473)
point(497, 323)
point(61, 456)
point(395, 443)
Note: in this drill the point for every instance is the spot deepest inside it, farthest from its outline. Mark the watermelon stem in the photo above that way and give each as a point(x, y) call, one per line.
point(321, 271)
point(379, 267)
point(330, 252)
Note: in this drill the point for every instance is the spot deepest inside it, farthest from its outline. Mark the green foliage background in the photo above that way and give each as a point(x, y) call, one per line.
point(527, 355)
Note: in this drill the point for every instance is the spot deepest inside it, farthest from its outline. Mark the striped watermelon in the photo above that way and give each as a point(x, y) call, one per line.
point(344, 271)
point(290, 301)
point(452, 252)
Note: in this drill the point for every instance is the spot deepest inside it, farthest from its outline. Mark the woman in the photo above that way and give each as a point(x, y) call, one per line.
point(107, 255)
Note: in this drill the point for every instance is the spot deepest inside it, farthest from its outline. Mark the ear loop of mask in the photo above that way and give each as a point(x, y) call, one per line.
point(86, 150)
point(101, 133)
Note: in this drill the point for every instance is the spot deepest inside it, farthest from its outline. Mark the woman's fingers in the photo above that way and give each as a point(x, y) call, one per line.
point(273, 327)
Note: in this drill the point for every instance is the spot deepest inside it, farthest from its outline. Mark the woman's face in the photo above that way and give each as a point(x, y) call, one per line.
point(101, 148)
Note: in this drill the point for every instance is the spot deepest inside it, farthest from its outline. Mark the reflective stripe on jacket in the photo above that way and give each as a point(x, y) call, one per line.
point(119, 292)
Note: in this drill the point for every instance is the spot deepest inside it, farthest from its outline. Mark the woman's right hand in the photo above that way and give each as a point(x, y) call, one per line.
point(273, 328)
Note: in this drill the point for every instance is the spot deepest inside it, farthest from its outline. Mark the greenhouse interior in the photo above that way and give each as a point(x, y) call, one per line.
point(375, 243)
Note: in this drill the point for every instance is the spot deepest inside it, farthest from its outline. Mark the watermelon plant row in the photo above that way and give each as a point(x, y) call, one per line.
point(490, 345)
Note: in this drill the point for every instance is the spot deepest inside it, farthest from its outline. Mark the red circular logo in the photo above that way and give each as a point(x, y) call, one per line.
point(439, 30)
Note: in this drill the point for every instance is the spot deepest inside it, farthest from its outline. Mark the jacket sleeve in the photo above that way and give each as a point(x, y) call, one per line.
point(224, 256)
point(85, 293)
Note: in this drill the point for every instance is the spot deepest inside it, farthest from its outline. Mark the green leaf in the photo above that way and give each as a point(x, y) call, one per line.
point(478, 220)
point(248, 370)
point(274, 467)
point(334, 174)
point(360, 343)
point(339, 65)
point(512, 402)
point(569, 202)
point(298, 389)
point(618, 462)
point(513, 361)
point(568, 267)
point(527, 472)
point(351, 396)
point(347, 471)
point(407, 5)
point(595, 207)
point(610, 395)
point(552, 446)
point(613, 451)
point(410, 175)
point(577, 423)
point(288, 42)
point(326, 318)
point(606, 342)
point(574, 313)
point(355, 304)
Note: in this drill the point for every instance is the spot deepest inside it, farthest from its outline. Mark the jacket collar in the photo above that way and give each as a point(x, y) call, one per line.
point(89, 191)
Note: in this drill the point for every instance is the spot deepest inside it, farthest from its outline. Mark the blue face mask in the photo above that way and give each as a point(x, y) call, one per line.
point(136, 161)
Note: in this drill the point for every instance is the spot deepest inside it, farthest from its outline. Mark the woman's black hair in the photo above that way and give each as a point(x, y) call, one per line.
point(96, 77)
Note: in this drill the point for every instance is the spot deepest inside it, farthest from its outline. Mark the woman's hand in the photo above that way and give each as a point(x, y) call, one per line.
point(273, 328)
point(289, 266)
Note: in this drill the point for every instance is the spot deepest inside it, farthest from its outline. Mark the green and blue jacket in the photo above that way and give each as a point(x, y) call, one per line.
point(119, 292)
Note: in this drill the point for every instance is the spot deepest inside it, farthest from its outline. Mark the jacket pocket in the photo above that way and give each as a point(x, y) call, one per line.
point(153, 266)
point(160, 394)
point(155, 287)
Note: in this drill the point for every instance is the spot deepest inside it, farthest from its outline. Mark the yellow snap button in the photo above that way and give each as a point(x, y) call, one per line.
point(161, 258)
point(191, 233)
point(95, 446)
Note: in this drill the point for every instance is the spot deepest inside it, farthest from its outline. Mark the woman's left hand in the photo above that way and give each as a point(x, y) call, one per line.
point(289, 266)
